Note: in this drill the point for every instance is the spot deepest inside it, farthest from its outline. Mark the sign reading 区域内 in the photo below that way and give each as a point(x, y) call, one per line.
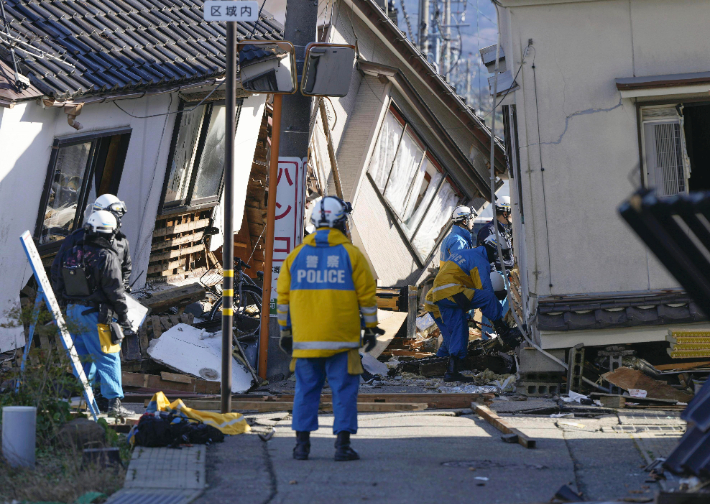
point(231, 10)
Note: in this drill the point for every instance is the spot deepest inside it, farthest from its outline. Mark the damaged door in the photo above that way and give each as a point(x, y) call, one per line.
point(81, 168)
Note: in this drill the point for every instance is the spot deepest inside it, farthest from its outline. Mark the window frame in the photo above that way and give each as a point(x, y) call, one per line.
point(88, 175)
point(439, 167)
point(189, 202)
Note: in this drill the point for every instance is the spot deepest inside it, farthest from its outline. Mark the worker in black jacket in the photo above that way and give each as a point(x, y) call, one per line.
point(88, 277)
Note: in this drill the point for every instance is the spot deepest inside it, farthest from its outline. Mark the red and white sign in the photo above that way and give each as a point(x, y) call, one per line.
point(290, 209)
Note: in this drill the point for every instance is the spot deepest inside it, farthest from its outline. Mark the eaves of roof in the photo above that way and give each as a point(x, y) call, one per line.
point(100, 47)
point(9, 95)
point(388, 31)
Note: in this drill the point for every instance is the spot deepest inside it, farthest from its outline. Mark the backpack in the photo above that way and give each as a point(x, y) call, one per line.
point(167, 429)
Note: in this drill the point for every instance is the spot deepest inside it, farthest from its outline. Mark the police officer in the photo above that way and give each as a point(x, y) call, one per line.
point(459, 238)
point(487, 238)
point(88, 277)
point(325, 288)
point(462, 284)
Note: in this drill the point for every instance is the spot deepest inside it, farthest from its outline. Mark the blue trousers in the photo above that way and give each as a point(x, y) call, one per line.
point(486, 324)
point(95, 361)
point(443, 349)
point(310, 377)
point(456, 334)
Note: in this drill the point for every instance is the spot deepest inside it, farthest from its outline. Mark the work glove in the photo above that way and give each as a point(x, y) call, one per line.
point(286, 341)
point(508, 336)
point(369, 339)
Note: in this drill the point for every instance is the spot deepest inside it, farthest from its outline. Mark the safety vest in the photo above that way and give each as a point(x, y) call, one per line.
point(324, 286)
point(465, 271)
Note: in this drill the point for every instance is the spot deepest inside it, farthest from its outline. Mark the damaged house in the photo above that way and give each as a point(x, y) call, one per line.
point(123, 97)
point(406, 147)
point(626, 105)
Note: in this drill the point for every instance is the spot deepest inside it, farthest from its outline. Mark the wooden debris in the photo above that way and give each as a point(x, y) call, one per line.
point(176, 377)
point(325, 407)
point(682, 366)
point(627, 378)
point(153, 381)
point(492, 418)
point(167, 298)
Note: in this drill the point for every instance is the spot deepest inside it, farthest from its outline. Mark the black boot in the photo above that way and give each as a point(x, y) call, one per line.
point(452, 372)
point(115, 409)
point(303, 445)
point(343, 452)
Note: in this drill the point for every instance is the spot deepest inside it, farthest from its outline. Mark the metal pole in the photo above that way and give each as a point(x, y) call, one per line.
point(228, 248)
point(270, 220)
point(424, 27)
point(447, 39)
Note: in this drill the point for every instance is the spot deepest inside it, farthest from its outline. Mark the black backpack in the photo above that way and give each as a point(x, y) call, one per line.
point(167, 429)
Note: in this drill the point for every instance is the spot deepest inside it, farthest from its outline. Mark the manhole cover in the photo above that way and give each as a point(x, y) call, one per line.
point(209, 374)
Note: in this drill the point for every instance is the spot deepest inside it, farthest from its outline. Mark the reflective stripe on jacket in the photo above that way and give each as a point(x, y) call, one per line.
point(429, 305)
point(324, 286)
point(465, 271)
point(458, 239)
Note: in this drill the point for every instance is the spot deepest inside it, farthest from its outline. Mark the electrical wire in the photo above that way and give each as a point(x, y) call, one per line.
point(169, 113)
point(258, 19)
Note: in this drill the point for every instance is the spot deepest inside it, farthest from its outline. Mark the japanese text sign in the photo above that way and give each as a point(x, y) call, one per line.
point(217, 10)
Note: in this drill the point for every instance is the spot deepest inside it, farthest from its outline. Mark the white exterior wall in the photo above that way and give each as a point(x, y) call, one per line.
point(588, 137)
point(27, 132)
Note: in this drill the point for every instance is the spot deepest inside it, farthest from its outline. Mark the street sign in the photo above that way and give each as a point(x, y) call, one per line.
point(242, 10)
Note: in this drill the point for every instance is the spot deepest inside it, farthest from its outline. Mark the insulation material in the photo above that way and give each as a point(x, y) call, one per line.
point(373, 366)
point(436, 218)
point(247, 135)
point(197, 353)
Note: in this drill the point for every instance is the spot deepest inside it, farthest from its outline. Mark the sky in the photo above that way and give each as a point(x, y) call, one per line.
point(480, 15)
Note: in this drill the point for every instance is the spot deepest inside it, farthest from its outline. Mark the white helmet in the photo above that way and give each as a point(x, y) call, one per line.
point(110, 203)
point(330, 212)
point(101, 222)
point(498, 285)
point(503, 204)
point(462, 214)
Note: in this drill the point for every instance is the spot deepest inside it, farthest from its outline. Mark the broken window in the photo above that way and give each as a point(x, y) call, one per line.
point(80, 169)
point(412, 183)
point(196, 163)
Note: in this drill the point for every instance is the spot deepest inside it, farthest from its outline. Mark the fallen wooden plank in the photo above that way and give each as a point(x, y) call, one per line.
point(171, 297)
point(195, 237)
point(171, 254)
point(176, 377)
point(325, 407)
point(492, 418)
point(157, 329)
point(156, 382)
point(682, 366)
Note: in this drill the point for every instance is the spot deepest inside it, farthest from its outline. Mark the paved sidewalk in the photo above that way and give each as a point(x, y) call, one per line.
point(163, 476)
point(430, 456)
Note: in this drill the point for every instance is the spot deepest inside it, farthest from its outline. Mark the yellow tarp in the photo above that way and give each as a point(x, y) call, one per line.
point(229, 423)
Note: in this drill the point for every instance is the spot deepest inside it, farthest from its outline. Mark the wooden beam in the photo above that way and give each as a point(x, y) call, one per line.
point(177, 253)
point(181, 228)
point(492, 418)
point(197, 236)
point(171, 297)
point(325, 407)
point(156, 382)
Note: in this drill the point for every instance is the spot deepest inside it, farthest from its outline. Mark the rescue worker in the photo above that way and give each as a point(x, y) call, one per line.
point(487, 238)
point(87, 276)
point(324, 287)
point(464, 283)
point(109, 203)
point(459, 238)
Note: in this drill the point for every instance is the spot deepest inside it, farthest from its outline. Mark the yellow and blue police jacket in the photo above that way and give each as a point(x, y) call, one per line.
point(323, 287)
point(464, 272)
point(430, 306)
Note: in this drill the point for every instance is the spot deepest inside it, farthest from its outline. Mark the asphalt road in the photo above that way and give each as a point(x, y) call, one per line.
point(429, 457)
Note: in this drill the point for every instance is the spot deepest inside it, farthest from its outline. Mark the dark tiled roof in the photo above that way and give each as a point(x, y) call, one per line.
point(118, 46)
point(692, 455)
point(606, 311)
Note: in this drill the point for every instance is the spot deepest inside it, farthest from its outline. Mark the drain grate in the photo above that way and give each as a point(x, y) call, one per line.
point(153, 496)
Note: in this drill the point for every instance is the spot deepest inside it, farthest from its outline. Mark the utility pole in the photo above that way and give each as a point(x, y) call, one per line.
point(228, 247)
point(300, 29)
point(468, 80)
point(424, 27)
point(446, 66)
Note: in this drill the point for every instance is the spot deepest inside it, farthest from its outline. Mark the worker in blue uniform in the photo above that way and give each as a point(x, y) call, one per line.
point(459, 238)
point(326, 293)
point(464, 282)
point(487, 238)
point(87, 276)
